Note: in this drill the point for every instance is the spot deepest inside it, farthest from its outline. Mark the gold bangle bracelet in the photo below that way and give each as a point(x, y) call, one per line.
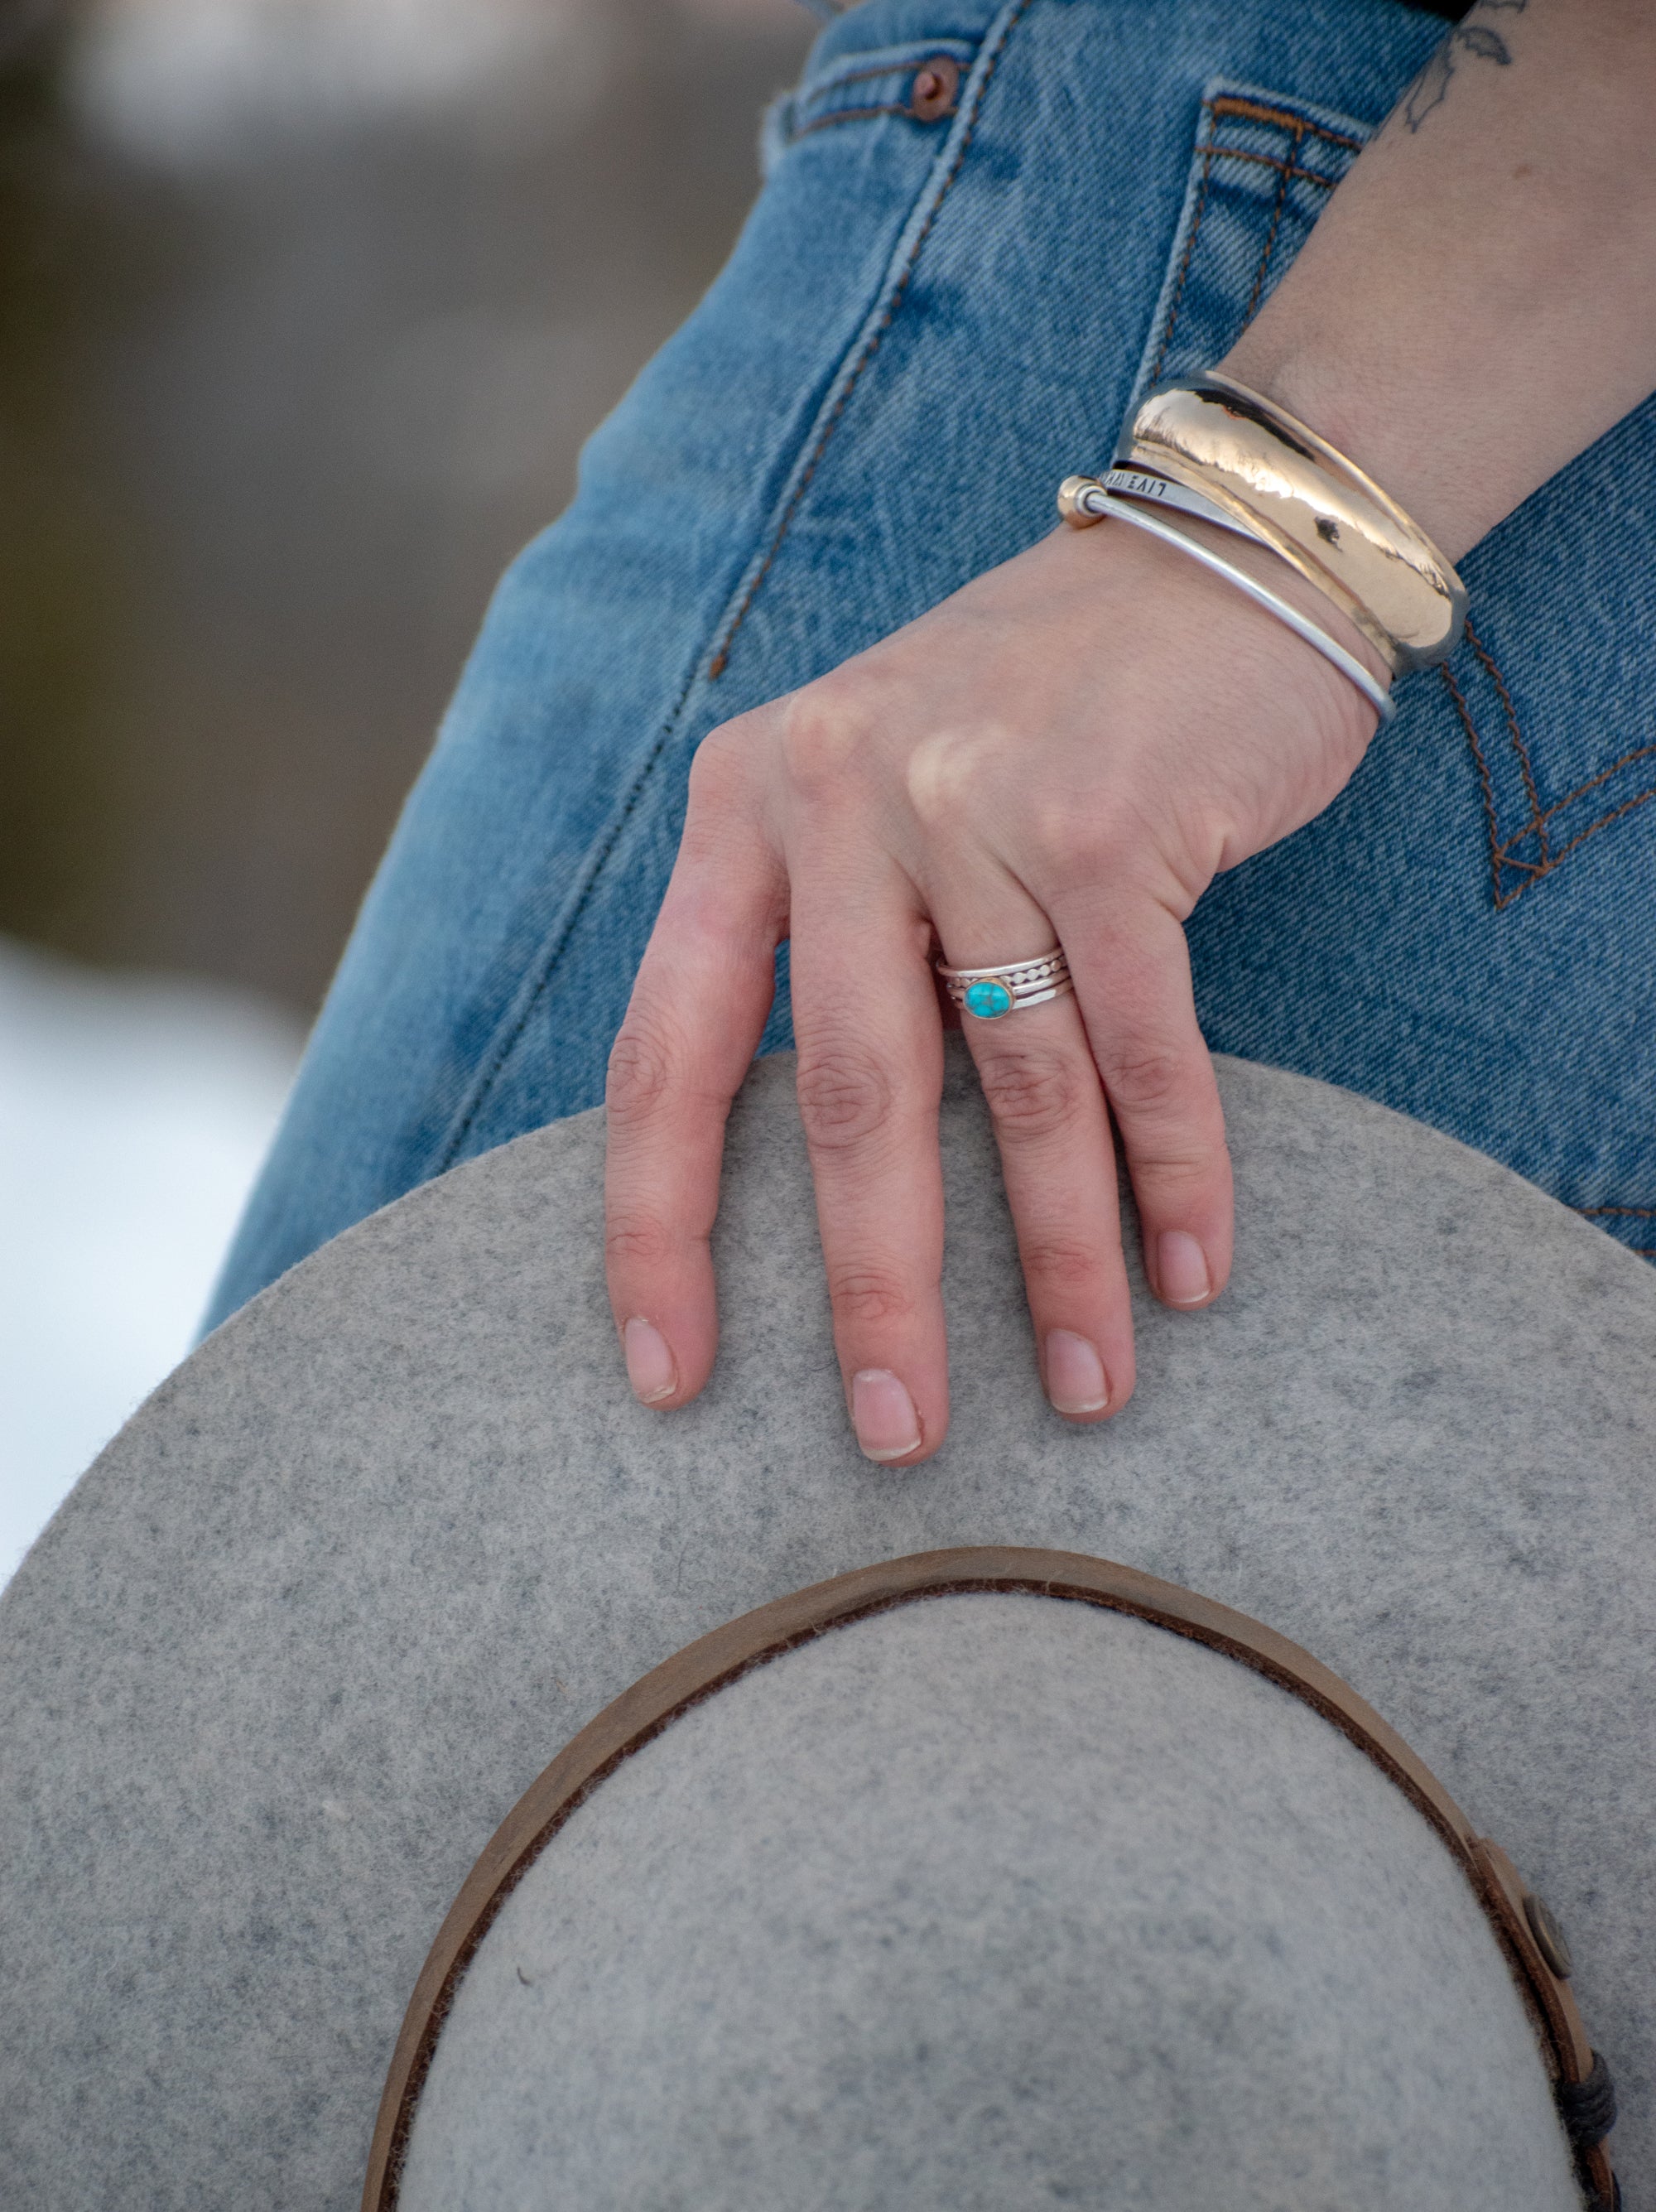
point(1296, 494)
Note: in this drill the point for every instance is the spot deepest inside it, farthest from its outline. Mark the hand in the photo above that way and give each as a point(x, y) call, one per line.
point(1066, 751)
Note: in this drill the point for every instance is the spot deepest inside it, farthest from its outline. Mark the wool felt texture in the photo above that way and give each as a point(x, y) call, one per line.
point(345, 1584)
point(993, 1900)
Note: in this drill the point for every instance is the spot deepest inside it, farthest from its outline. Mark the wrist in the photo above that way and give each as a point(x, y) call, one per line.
point(1401, 442)
point(1318, 687)
point(1265, 568)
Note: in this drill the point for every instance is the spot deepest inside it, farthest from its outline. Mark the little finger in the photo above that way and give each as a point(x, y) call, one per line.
point(1133, 981)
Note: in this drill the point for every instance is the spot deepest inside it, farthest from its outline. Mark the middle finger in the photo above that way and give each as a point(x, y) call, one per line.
point(870, 1040)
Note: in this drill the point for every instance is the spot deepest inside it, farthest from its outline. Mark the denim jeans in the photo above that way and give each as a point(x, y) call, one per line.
point(930, 320)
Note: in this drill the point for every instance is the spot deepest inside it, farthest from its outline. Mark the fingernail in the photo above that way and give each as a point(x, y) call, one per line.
point(1182, 1274)
point(883, 1415)
point(1076, 1381)
point(650, 1368)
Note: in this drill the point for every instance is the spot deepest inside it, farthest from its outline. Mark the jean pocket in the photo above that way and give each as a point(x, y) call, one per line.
point(1260, 174)
point(915, 86)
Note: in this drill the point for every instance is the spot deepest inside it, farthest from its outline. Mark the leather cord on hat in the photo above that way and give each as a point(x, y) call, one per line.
point(1588, 2108)
point(1588, 2113)
point(1531, 1939)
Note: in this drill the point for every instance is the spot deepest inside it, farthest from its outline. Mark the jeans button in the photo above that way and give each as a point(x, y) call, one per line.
point(932, 93)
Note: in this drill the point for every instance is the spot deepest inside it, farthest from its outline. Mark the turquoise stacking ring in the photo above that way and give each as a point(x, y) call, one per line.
point(989, 993)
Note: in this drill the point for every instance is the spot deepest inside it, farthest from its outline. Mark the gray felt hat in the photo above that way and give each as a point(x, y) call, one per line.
point(342, 1589)
point(1021, 1896)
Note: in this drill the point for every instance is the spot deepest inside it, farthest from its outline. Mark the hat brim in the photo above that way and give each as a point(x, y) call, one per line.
point(335, 1596)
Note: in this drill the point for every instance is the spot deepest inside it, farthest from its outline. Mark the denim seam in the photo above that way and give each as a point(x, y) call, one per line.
point(1639, 752)
point(1515, 734)
point(1280, 119)
point(1502, 853)
point(862, 76)
point(1284, 119)
point(1291, 171)
point(867, 115)
point(483, 1082)
point(1259, 274)
point(889, 61)
point(720, 660)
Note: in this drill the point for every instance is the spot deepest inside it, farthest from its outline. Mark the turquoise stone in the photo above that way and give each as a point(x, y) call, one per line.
point(985, 1000)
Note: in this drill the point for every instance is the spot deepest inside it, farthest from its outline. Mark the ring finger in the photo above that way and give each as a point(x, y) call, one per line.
point(1058, 1157)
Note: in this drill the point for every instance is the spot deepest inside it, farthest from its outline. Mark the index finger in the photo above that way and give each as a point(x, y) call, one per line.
point(696, 1014)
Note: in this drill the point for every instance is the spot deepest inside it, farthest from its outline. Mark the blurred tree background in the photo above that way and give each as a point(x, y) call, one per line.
point(305, 306)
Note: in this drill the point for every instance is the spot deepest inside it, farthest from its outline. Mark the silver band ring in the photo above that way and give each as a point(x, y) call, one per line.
point(989, 993)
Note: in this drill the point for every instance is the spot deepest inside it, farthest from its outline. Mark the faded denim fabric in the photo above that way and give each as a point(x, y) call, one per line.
point(924, 325)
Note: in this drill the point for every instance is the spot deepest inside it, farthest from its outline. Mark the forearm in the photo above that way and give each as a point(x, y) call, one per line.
point(1479, 303)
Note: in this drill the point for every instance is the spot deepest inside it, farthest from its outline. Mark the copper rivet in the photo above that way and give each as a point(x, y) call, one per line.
point(1549, 1938)
point(936, 83)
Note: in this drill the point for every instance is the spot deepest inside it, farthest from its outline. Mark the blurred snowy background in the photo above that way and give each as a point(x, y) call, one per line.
point(305, 306)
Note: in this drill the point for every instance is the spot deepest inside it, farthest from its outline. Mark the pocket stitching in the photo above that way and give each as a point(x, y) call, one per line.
point(910, 70)
point(1517, 738)
point(1639, 752)
point(1259, 274)
point(1503, 852)
point(897, 61)
point(1285, 118)
point(1505, 859)
point(859, 115)
point(1214, 107)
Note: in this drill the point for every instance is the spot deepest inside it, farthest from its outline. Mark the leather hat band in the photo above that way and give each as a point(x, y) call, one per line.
point(1529, 1938)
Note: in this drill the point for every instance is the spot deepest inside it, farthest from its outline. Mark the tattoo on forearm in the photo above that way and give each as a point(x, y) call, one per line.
point(1480, 41)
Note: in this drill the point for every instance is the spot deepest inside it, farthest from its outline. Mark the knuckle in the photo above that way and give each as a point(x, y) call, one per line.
point(1058, 1262)
point(947, 777)
point(1172, 1177)
point(827, 731)
point(1033, 1094)
point(1177, 1153)
point(722, 764)
point(1081, 847)
point(637, 1242)
point(868, 1294)
point(845, 1098)
point(1148, 1082)
point(640, 1075)
point(1111, 859)
point(1070, 847)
